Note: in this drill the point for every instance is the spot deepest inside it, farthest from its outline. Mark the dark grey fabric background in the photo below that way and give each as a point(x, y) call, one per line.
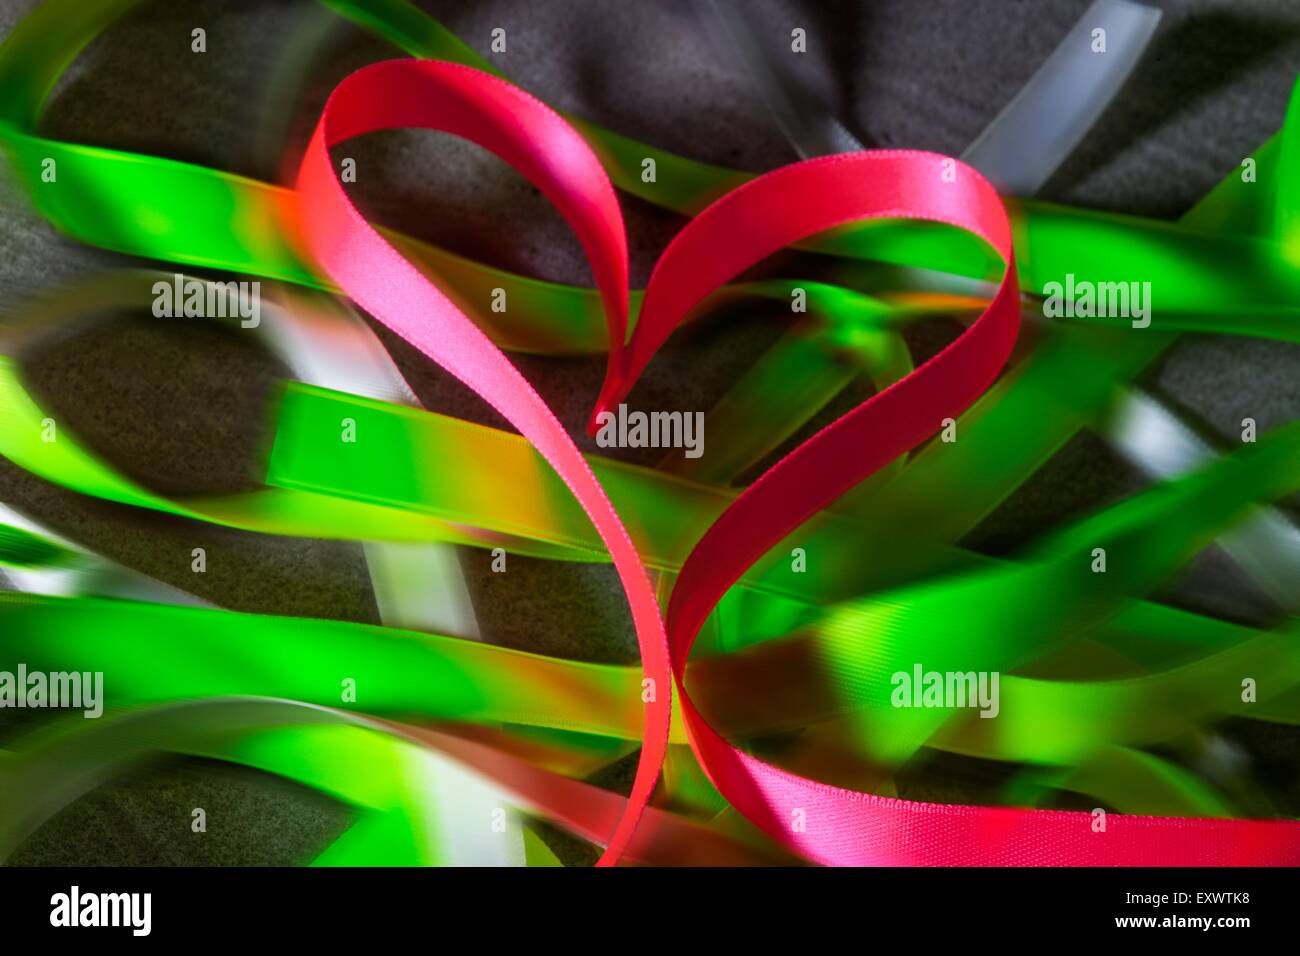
point(181, 407)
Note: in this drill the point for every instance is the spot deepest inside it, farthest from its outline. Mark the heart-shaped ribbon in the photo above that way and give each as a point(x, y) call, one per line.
point(824, 823)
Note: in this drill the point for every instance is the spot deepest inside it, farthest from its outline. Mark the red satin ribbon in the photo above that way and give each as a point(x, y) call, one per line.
point(827, 824)
point(533, 139)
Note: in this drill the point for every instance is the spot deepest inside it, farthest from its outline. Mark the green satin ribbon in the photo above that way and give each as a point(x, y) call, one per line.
point(856, 646)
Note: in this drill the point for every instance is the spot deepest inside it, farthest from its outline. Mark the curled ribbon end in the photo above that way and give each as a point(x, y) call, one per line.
point(612, 391)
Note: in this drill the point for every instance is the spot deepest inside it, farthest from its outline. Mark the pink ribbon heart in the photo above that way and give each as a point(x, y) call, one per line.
point(826, 824)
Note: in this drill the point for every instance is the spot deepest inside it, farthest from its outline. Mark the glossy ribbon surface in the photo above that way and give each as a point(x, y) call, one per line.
point(814, 652)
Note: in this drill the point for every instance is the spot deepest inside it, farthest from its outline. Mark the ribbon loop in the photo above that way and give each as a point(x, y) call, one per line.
point(527, 134)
